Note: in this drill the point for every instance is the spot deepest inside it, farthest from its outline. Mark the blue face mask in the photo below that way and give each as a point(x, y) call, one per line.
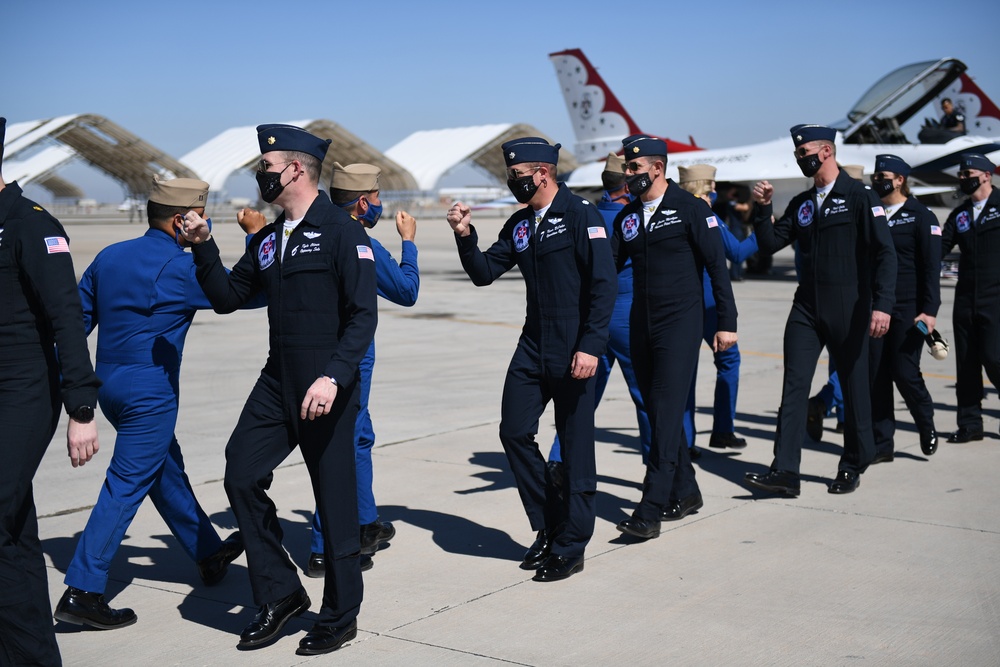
point(372, 215)
point(712, 196)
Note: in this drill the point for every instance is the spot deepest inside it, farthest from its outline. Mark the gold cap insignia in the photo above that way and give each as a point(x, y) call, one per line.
point(270, 141)
point(635, 150)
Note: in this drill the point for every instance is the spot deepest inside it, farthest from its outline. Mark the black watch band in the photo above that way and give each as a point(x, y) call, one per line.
point(83, 414)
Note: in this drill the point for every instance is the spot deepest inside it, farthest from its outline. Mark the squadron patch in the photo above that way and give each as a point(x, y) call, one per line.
point(265, 254)
point(962, 221)
point(521, 235)
point(806, 211)
point(630, 226)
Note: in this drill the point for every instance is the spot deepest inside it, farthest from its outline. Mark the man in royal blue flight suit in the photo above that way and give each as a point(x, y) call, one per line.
point(316, 266)
point(613, 200)
point(142, 296)
point(974, 226)
point(845, 294)
point(560, 244)
point(39, 310)
point(895, 358)
point(355, 188)
point(671, 236)
point(699, 180)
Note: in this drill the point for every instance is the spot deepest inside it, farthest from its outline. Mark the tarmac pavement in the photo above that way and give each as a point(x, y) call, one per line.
point(905, 571)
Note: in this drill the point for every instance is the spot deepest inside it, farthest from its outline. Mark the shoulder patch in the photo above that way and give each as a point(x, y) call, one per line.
point(597, 232)
point(54, 244)
point(364, 252)
point(712, 221)
point(878, 210)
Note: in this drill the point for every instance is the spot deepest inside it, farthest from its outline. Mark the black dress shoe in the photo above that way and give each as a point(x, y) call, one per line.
point(322, 639)
point(213, 568)
point(681, 508)
point(774, 481)
point(557, 568)
point(723, 440)
point(82, 608)
point(846, 482)
point(815, 414)
point(267, 624)
point(883, 457)
point(316, 568)
point(375, 534)
point(694, 452)
point(964, 434)
point(928, 443)
point(538, 552)
point(642, 528)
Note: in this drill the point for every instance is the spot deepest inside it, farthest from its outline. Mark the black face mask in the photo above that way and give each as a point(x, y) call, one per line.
point(270, 185)
point(883, 188)
point(968, 185)
point(809, 164)
point(638, 184)
point(523, 188)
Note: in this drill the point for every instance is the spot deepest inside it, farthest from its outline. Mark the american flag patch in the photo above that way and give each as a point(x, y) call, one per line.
point(878, 210)
point(712, 221)
point(54, 244)
point(364, 252)
point(597, 232)
point(935, 230)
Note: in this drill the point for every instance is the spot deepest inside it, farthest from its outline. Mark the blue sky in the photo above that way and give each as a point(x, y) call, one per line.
point(727, 73)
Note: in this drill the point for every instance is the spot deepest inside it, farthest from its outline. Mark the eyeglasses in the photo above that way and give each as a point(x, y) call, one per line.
point(882, 176)
point(513, 174)
point(802, 152)
point(632, 166)
point(264, 165)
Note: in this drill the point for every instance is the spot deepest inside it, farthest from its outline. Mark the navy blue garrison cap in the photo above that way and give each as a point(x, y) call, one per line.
point(277, 137)
point(892, 163)
point(530, 149)
point(976, 161)
point(803, 134)
point(641, 145)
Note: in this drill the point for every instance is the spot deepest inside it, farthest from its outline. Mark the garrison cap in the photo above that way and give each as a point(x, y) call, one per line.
point(355, 177)
point(278, 137)
point(3, 133)
point(641, 145)
point(696, 172)
point(530, 149)
point(183, 192)
point(855, 171)
point(803, 134)
point(976, 161)
point(615, 164)
point(892, 163)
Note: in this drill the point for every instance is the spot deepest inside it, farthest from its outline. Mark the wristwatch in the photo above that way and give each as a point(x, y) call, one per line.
point(83, 414)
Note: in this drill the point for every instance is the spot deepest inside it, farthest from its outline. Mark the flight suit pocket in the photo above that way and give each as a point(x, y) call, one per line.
point(554, 244)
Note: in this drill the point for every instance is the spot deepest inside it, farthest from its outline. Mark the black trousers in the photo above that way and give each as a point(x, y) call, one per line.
point(664, 355)
point(266, 433)
point(895, 358)
point(977, 347)
point(843, 329)
point(29, 413)
point(527, 390)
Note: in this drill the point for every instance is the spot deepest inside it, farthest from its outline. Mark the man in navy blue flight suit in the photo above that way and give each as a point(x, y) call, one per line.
point(974, 226)
point(846, 291)
point(316, 266)
point(39, 310)
point(142, 296)
point(671, 236)
point(560, 244)
point(355, 188)
point(613, 200)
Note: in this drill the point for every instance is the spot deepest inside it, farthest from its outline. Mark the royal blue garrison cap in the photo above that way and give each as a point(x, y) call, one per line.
point(976, 161)
point(803, 134)
point(277, 137)
point(530, 149)
point(641, 145)
point(892, 163)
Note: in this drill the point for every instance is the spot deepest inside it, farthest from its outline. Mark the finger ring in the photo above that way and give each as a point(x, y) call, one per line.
point(322, 405)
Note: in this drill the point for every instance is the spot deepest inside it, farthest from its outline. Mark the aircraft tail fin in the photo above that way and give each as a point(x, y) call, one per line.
point(600, 122)
point(982, 117)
